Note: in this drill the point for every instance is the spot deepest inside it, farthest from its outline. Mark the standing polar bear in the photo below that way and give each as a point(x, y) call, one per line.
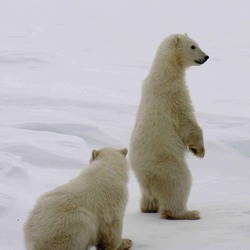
point(165, 129)
point(87, 211)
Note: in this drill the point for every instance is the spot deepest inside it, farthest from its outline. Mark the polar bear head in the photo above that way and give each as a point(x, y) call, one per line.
point(108, 154)
point(178, 51)
point(188, 50)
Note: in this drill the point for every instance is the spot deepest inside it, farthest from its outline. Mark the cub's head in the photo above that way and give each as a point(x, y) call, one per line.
point(188, 50)
point(108, 154)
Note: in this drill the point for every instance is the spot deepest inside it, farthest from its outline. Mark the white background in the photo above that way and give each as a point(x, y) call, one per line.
point(70, 78)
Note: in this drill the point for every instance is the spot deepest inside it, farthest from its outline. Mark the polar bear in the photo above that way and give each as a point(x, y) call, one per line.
point(165, 128)
point(87, 211)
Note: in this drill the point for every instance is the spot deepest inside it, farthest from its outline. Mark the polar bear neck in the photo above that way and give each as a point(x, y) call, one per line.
point(167, 68)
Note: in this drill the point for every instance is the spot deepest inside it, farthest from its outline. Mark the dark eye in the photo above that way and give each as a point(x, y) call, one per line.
point(193, 47)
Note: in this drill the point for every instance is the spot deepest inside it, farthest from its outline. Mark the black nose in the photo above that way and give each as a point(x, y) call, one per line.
point(206, 58)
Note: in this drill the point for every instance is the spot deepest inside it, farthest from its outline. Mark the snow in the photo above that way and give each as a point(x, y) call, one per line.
point(70, 77)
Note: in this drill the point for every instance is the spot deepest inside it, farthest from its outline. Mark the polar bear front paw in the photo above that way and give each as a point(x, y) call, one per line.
point(125, 244)
point(198, 151)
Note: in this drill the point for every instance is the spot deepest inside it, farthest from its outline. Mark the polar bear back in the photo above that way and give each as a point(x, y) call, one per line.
point(75, 213)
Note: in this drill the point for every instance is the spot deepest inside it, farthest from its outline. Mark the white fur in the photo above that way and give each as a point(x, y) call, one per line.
point(87, 211)
point(165, 128)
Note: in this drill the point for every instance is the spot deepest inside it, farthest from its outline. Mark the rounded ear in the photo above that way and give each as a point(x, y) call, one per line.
point(176, 40)
point(95, 153)
point(185, 34)
point(124, 151)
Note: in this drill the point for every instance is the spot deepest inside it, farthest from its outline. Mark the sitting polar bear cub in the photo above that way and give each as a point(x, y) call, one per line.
point(87, 211)
point(165, 128)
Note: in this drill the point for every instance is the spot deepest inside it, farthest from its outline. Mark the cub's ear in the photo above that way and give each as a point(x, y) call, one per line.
point(124, 151)
point(95, 153)
point(176, 40)
point(186, 34)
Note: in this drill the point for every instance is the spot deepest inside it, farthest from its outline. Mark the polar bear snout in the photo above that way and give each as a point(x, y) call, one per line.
point(202, 60)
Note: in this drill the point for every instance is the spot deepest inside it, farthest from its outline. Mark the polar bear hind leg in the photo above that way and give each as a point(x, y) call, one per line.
point(149, 205)
point(171, 188)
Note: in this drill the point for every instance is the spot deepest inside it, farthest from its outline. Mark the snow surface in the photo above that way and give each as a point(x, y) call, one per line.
point(70, 77)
